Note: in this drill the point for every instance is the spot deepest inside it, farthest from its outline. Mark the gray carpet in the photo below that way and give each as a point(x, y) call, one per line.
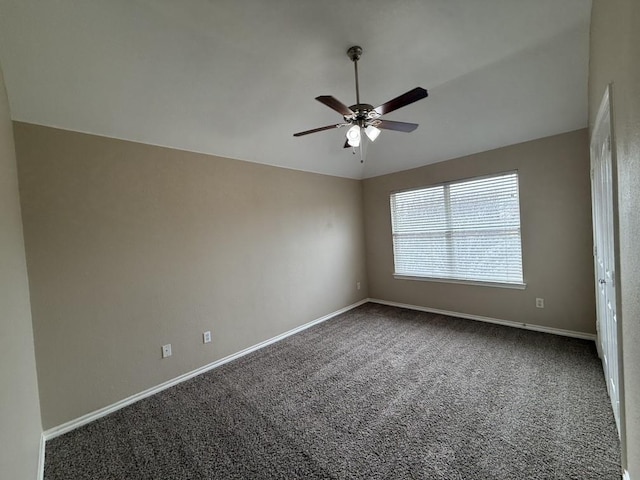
point(376, 393)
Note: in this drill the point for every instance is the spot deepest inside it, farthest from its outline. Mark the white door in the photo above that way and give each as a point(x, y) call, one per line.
point(603, 190)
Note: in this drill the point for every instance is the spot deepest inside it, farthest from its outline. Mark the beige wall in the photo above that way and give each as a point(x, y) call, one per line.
point(20, 427)
point(556, 236)
point(131, 246)
point(615, 57)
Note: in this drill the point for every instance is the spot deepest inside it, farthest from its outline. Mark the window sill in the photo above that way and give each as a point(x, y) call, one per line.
point(515, 286)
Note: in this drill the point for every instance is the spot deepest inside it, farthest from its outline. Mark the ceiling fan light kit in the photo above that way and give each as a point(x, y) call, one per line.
point(363, 116)
point(353, 136)
point(372, 132)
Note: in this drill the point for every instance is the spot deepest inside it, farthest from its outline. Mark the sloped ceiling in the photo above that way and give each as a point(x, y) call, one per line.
point(237, 78)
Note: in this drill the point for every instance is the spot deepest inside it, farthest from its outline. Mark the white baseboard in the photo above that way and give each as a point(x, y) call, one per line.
point(40, 474)
point(90, 417)
point(508, 323)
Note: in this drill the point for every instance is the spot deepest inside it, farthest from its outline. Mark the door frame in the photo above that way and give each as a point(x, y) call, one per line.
point(606, 108)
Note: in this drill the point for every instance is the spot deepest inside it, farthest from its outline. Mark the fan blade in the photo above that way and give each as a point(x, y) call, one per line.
point(321, 129)
point(397, 126)
point(403, 100)
point(335, 104)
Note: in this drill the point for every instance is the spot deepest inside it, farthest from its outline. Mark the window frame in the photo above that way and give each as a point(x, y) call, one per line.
point(509, 285)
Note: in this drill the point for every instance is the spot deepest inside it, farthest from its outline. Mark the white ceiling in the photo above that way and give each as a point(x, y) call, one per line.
point(237, 78)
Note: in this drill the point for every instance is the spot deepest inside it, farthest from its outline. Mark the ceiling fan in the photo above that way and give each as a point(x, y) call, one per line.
point(364, 117)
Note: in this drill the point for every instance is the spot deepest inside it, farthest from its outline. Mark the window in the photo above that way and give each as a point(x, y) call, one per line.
point(467, 230)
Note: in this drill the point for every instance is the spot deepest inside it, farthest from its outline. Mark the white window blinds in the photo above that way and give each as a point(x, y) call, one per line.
point(467, 230)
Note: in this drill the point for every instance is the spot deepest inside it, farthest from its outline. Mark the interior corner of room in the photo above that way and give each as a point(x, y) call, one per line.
point(132, 261)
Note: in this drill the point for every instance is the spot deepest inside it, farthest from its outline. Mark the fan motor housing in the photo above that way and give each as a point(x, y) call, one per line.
point(363, 111)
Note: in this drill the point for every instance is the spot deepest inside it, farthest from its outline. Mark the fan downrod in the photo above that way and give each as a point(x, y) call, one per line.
point(355, 53)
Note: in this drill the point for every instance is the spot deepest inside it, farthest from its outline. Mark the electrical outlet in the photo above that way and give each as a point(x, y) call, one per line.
point(539, 302)
point(358, 285)
point(206, 337)
point(166, 350)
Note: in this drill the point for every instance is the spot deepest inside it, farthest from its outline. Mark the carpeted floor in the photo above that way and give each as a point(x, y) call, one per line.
point(376, 393)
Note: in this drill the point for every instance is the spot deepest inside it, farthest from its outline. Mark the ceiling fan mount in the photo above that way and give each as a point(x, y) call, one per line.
point(363, 116)
point(354, 53)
